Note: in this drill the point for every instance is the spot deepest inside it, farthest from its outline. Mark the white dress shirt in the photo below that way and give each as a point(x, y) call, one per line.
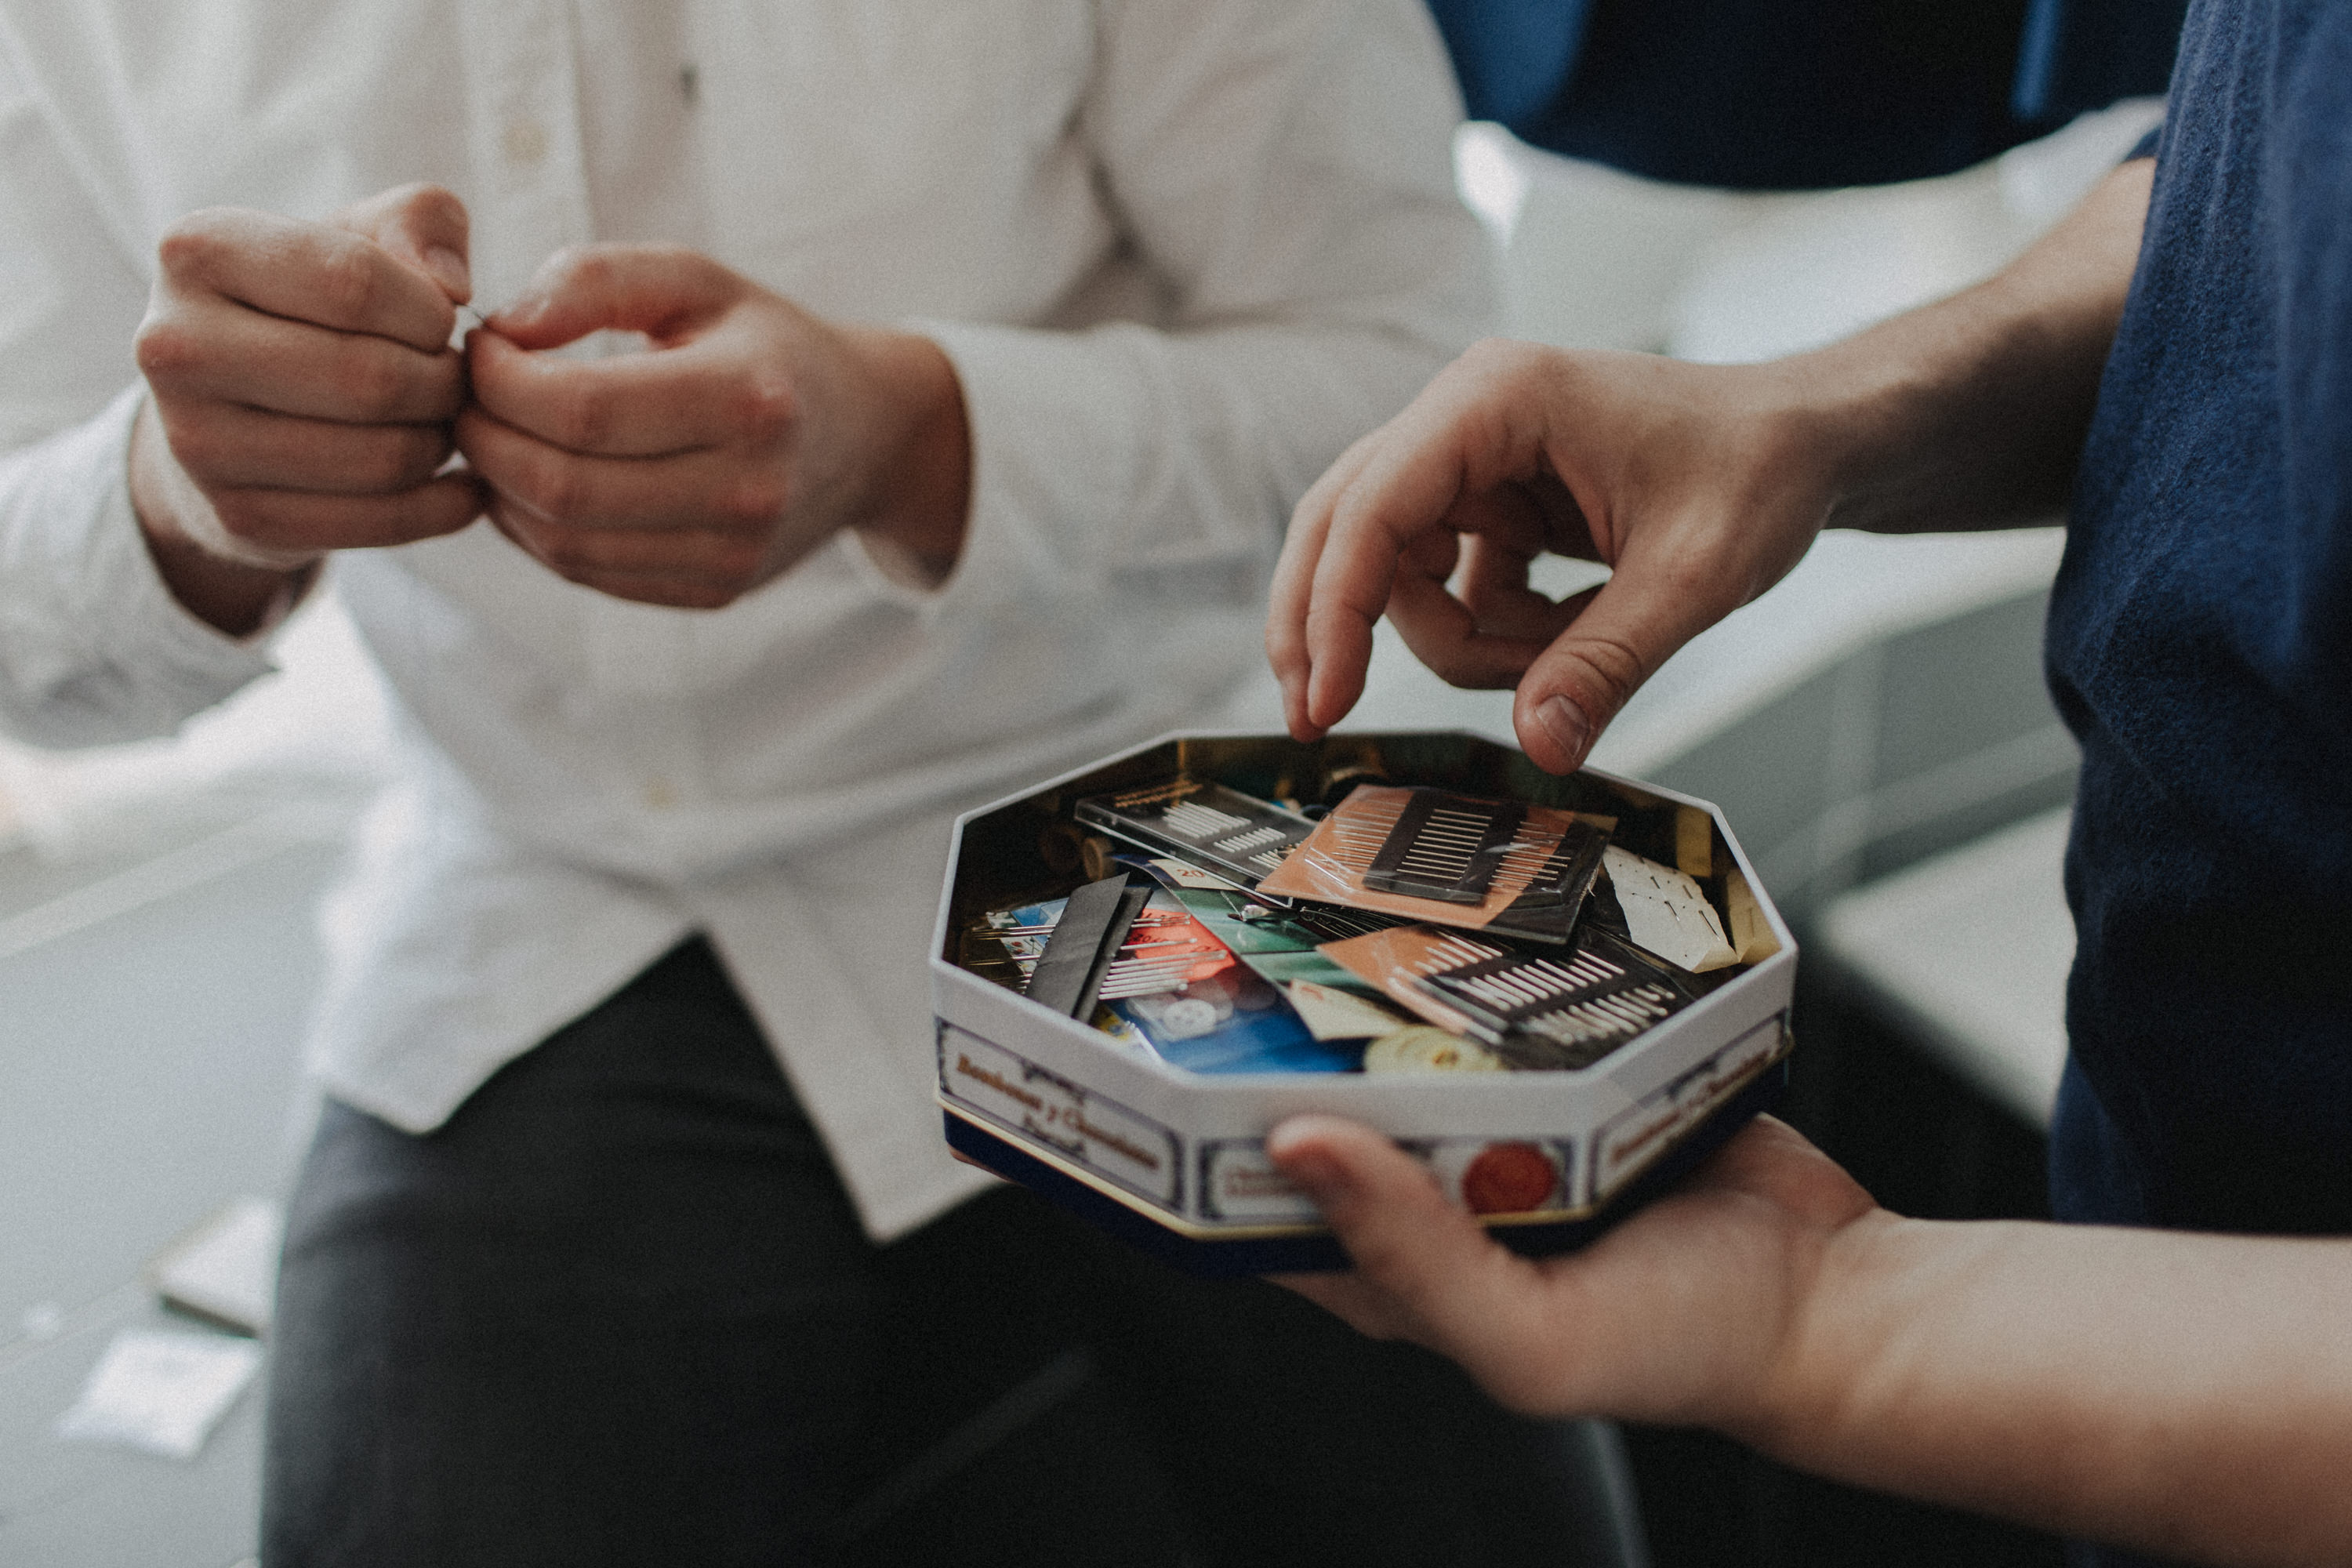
point(1179, 254)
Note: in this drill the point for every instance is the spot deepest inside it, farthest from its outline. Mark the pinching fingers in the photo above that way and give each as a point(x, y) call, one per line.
point(705, 490)
point(236, 446)
point(637, 406)
point(212, 351)
point(1292, 598)
point(1631, 625)
point(1349, 591)
point(1452, 446)
point(303, 272)
point(425, 225)
point(661, 291)
point(296, 522)
point(1445, 635)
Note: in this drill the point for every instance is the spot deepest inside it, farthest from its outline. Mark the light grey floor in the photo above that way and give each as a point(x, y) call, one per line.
point(150, 1003)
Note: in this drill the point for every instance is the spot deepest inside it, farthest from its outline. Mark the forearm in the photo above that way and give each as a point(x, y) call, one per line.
point(1970, 412)
point(2188, 1395)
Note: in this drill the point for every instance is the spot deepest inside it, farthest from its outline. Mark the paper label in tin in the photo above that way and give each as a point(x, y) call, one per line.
point(1666, 913)
point(1045, 1107)
point(1488, 1176)
point(1238, 1181)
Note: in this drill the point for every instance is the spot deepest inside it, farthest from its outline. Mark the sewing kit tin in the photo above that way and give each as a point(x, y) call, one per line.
point(1173, 1159)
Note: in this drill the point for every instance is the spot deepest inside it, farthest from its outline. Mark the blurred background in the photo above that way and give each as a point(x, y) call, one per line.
point(1723, 181)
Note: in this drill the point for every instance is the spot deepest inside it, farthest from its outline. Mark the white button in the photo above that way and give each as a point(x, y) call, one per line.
point(526, 141)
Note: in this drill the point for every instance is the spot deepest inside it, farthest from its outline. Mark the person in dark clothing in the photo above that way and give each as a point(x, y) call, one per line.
point(2178, 355)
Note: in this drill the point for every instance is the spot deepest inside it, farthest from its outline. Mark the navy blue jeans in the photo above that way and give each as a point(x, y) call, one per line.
point(619, 1311)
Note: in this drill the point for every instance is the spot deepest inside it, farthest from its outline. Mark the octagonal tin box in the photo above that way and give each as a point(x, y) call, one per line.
point(1148, 1117)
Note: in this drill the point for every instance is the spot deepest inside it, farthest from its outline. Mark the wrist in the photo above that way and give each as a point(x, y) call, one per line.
point(1969, 413)
point(915, 520)
point(240, 590)
point(1834, 1337)
point(1859, 415)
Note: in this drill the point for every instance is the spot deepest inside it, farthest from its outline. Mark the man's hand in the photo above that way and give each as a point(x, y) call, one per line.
point(1699, 485)
point(691, 474)
point(2188, 1396)
point(1690, 481)
point(1690, 1312)
point(302, 389)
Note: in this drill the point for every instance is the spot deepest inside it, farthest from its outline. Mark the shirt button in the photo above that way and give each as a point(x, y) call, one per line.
point(526, 143)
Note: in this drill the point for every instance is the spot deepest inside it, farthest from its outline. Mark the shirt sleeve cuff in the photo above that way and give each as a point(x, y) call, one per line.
point(138, 623)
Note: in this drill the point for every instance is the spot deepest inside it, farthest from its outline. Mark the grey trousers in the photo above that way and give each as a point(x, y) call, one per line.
point(619, 1311)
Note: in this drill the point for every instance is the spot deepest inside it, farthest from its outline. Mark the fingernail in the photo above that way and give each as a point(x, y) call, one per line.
point(1564, 722)
point(449, 271)
point(520, 313)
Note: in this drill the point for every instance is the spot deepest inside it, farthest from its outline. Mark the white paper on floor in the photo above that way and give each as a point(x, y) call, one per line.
point(226, 1268)
point(160, 1392)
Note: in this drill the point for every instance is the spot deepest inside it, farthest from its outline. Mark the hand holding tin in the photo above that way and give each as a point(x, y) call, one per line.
point(1688, 1313)
point(749, 434)
point(2188, 1395)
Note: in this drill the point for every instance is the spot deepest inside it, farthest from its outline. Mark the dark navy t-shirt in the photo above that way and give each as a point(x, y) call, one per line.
point(2200, 647)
